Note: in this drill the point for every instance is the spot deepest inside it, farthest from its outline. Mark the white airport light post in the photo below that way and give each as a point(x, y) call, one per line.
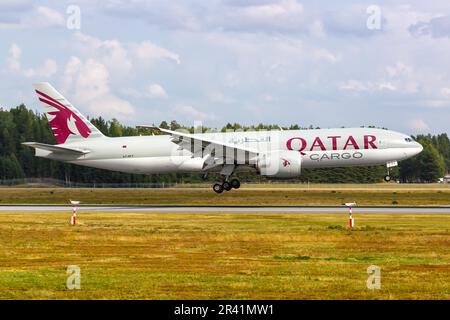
point(73, 219)
point(351, 221)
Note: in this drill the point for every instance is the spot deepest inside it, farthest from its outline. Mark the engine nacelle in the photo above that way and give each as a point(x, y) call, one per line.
point(194, 164)
point(280, 164)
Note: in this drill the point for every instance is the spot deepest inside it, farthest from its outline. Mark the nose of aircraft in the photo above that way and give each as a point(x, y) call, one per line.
point(417, 148)
point(412, 149)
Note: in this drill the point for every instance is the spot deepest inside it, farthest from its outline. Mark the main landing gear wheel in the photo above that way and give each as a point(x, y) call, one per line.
point(218, 188)
point(226, 186)
point(235, 183)
point(387, 178)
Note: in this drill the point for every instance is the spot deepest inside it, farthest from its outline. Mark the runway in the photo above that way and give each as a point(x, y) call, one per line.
point(228, 209)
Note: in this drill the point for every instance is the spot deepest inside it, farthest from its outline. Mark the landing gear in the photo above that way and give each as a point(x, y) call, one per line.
point(218, 188)
point(235, 183)
point(389, 165)
point(226, 185)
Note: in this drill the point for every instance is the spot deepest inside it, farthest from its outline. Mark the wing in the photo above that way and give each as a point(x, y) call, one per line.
point(220, 152)
point(56, 148)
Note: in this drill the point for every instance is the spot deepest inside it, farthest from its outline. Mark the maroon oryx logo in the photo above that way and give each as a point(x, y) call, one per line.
point(59, 119)
point(285, 162)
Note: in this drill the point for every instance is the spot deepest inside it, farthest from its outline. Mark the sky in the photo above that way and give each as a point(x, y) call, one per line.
point(322, 63)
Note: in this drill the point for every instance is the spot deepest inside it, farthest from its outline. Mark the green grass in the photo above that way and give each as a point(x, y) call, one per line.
point(243, 196)
point(223, 256)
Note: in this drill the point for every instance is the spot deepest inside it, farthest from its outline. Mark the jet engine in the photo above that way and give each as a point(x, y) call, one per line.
point(280, 164)
point(195, 164)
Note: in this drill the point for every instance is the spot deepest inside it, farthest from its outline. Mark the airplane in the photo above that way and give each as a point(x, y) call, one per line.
point(275, 154)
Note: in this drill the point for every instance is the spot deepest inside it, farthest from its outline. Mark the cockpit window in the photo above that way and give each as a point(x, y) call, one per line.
point(409, 139)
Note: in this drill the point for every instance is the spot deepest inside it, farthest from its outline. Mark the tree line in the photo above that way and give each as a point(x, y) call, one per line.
point(20, 124)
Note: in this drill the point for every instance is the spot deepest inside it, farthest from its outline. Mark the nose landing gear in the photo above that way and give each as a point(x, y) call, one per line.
point(389, 165)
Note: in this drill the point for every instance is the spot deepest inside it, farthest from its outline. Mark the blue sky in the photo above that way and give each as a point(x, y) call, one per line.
point(284, 62)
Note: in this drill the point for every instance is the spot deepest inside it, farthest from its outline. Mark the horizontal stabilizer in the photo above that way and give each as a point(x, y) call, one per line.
point(56, 148)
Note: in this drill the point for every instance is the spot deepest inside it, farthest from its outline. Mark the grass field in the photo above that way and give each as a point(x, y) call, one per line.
point(224, 256)
point(253, 196)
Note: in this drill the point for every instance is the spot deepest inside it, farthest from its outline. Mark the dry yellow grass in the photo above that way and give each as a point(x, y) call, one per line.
point(224, 256)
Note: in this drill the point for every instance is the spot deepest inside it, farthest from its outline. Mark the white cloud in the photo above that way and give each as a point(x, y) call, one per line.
point(386, 86)
point(14, 4)
point(156, 91)
point(121, 57)
point(403, 77)
point(399, 69)
point(109, 60)
point(418, 125)
point(169, 14)
point(46, 17)
point(436, 27)
point(9, 26)
point(323, 54)
point(147, 52)
point(317, 29)
point(284, 15)
point(88, 83)
point(435, 103)
point(111, 53)
point(190, 113)
point(400, 18)
point(48, 69)
point(26, 16)
point(445, 92)
point(219, 97)
point(248, 16)
point(11, 12)
point(353, 85)
point(358, 86)
point(13, 60)
point(258, 57)
point(349, 21)
point(153, 90)
point(70, 72)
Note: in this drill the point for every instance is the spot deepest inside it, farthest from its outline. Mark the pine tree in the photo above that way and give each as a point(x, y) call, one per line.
point(431, 164)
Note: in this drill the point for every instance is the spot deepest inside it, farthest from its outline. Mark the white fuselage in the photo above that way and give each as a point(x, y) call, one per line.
point(319, 148)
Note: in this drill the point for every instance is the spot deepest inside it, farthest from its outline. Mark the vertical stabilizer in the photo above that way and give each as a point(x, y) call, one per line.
point(66, 122)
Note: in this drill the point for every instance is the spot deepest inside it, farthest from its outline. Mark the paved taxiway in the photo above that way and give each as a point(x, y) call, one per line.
point(225, 209)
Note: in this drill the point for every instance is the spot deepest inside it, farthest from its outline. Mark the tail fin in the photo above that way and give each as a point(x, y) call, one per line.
point(66, 122)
